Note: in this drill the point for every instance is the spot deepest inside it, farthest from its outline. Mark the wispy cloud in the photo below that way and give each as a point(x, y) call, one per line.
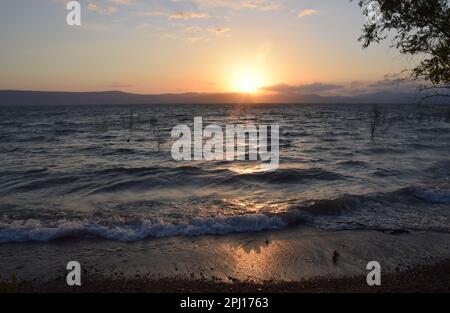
point(192, 29)
point(303, 89)
point(389, 83)
point(152, 13)
point(219, 30)
point(188, 15)
point(102, 10)
point(121, 1)
point(307, 12)
point(262, 5)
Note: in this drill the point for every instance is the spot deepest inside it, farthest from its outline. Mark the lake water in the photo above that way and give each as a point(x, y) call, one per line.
point(107, 171)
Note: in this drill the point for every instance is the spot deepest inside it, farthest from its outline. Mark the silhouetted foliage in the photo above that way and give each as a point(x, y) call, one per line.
point(419, 27)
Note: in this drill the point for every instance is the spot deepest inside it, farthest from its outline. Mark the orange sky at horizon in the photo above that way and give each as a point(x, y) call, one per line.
point(207, 46)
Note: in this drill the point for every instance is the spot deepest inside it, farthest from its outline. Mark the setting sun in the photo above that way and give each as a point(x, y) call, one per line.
point(247, 81)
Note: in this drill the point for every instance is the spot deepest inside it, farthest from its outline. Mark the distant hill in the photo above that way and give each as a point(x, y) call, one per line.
point(15, 97)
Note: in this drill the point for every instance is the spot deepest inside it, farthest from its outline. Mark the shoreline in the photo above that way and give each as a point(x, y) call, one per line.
point(423, 279)
point(292, 260)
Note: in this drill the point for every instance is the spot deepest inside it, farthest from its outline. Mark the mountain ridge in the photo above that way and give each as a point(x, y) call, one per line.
point(29, 97)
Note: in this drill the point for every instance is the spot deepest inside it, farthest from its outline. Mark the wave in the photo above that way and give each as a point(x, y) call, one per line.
point(34, 230)
point(289, 176)
point(388, 211)
point(148, 178)
point(45, 226)
point(435, 195)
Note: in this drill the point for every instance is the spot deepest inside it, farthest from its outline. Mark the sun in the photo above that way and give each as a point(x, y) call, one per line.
point(247, 81)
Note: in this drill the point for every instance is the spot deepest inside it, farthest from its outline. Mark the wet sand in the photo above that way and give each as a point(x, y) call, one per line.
point(423, 279)
point(292, 260)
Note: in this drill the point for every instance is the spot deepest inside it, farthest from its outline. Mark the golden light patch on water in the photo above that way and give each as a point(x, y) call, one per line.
point(249, 206)
point(247, 170)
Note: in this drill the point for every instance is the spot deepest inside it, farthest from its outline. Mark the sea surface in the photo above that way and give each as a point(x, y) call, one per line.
point(107, 172)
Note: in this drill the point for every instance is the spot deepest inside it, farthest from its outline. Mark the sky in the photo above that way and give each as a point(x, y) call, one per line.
point(177, 46)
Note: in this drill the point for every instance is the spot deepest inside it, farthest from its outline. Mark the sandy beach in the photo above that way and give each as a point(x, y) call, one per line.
point(292, 260)
point(422, 279)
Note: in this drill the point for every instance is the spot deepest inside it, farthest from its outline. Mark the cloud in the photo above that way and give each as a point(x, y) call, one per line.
point(219, 30)
point(93, 7)
point(261, 5)
point(175, 16)
point(192, 29)
point(386, 83)
point(314, 88)
point(152, 13)
point(307, 12)
point(121, 1)
point(216, 30)
point(188, 15)
point(108, 10)
point(395, 81)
